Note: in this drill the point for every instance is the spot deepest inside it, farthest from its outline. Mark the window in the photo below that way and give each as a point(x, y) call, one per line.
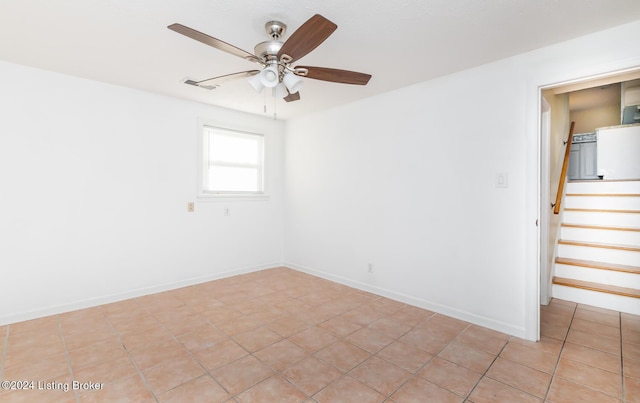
point(233, 162)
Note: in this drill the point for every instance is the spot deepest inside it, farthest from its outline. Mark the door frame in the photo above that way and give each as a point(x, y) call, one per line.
point(543, 266)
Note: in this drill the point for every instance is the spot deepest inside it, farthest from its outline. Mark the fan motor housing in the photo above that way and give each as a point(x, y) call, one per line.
point(267, 48)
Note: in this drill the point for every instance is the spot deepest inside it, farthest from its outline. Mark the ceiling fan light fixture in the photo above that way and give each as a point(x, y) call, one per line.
point(256, 83)
point(269, 77)
point(280, 91)
point(293, 82)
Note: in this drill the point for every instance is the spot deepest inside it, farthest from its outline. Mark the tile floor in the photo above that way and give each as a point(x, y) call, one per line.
point(283, 336)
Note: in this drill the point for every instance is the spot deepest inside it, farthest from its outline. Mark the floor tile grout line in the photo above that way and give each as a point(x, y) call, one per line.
point(188, 352)
point(620, 355)
point(135, 365)
point(275, 371)
point(284, 378)
point(342, 338)
point(67, 356)
point(338, 339)
point(409, 379)
point(415, 374)
point(487, 370)
point(313, 354)
point(564, 341)
point(607, 370)
point(307, 353)
point(208, 373)
point(343, 374)
point(249, 353)
point(602, 351)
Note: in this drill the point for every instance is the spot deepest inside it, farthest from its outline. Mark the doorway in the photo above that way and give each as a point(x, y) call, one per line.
point(594, 102)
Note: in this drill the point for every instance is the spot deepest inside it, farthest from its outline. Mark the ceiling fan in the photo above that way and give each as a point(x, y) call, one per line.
point(277, 58)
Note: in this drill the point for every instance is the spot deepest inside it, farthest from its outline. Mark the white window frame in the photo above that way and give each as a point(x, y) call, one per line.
point(204, 163)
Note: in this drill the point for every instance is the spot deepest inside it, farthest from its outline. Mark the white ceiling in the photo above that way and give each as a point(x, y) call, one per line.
point(399, 42)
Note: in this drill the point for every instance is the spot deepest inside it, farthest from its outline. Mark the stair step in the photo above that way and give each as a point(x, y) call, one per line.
point(599, 245)
point(604, 186)
point(604, 194)
point(604, 288)
point(599, 252)
point(592, 210)
point(603, 273)
point(602, 227)
point(606, 201)
point(600, 233)
point(604, 300)
point(602, 217)
point(599, 265)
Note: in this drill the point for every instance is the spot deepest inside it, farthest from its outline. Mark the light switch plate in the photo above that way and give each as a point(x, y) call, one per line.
point(501, 180)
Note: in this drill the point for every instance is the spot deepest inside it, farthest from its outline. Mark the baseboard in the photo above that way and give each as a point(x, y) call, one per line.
point(139, 292)
point(418, 302)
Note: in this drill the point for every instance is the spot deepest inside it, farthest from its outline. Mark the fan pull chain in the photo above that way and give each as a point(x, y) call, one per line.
point(275, 100)
point(265, 102)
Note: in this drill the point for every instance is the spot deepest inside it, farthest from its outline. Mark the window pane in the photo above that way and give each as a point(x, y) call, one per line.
point(232, 161)
point(230, 179)
point(240, 149)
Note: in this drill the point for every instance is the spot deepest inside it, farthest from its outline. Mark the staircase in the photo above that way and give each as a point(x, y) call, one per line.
point(598, 251)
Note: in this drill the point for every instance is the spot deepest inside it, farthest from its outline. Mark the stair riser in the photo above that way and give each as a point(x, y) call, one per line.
point(628, 280)
point(615, 256)
point(603, 202)
point(630, 238)
point(604, 187)
point(594, 298)
point(599, 218)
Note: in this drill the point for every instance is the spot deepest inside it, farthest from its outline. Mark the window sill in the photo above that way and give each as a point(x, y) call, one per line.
point(223, 197)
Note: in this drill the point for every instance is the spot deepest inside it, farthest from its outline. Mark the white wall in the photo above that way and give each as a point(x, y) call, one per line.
point(94, 185)
point(405, 181)
point(588, 120)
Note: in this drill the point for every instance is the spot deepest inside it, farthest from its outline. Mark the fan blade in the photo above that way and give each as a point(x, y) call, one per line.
point(306, 38)
point(336, 76)
point(292, 97)
point(213, 82)
point(211, 41)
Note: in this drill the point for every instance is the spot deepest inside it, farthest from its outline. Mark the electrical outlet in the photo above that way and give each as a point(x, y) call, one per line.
point(370, 268)
point(191, 207)
point(227, 212)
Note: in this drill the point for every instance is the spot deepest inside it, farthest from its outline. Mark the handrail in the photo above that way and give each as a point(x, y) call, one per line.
point(565, 167)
